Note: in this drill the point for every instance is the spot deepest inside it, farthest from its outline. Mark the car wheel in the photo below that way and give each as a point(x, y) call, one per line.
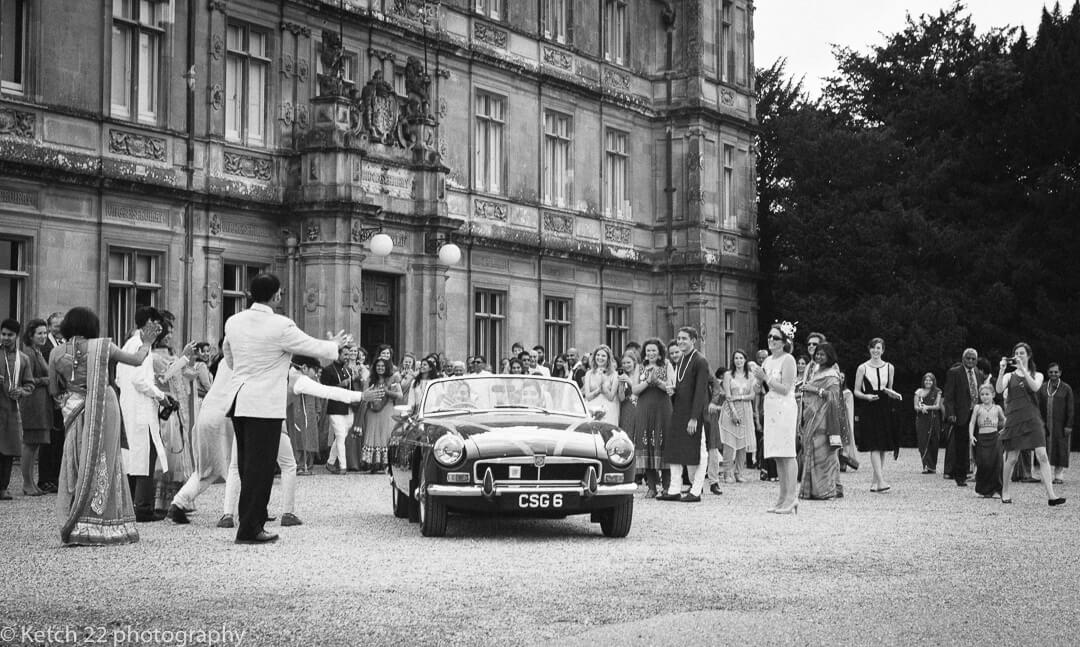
point(432, 515)
point(616, 521)
point(399, 501)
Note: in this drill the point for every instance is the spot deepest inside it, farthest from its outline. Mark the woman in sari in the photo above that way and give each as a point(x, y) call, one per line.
point(93, 505)
point(928, 410)
point(380, 396)
point(824, 428)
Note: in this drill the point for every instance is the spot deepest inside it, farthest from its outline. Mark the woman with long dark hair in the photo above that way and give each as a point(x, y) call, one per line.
point(377, 413)
point(1023, 422)
point(653, 415)
point(93, 505)
point(737, 416)
point(35, 409)
point(824, 427)
point(928, 409)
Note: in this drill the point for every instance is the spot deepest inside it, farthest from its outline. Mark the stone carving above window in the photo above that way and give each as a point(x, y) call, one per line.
point(134, 145)
point(730, 245)
point(616, 234)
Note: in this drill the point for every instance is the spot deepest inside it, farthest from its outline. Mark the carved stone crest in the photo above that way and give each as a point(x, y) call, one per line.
point(490, 210)
point(696, 284)
point(730, 245)
point(558, 223)
point(302, 70)
point(215, 224)
point(558, 58)
point(312, 299)
point(16, 122)
point(489, 35)
point(616, 234)
point(311, 233)
point(288, 65)
point(213, 296)
point(727, 97)
point(217, 47)
point(256, 168)
point(303, 117)
point(374, 112)
point(134, 145)
point(288, 114)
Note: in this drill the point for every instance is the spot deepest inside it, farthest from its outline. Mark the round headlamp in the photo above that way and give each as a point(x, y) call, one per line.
point(620, 449)
point(449, 450)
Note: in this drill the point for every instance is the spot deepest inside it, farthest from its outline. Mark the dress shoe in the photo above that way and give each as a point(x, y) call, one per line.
point(669, 497)
point(262, 538)
point(178, 515)
point(156, 515)
point(1058, 481)
point(332, 469)
point(715, 489)
point(690, 498)
point(290, 519)
point(1029, 479)
point(1057, 501)
point(5, 495)
point(961, 484)
point(49, 488)
point(225, 521)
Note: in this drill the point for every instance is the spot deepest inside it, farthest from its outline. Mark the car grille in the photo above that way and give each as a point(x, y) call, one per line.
point(554, 469)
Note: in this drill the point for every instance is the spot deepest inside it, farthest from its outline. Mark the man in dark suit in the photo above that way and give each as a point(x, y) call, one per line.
point(51, 455)
point(684, 444)
point(961, 395)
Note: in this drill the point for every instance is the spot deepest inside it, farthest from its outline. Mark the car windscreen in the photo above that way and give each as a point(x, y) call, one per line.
point(504, 392)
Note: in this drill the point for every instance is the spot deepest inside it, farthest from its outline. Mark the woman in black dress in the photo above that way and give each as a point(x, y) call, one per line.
point(1023, 422)
point(875, 424)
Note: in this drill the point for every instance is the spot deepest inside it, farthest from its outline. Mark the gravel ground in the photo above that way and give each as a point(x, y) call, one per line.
point(925, 563)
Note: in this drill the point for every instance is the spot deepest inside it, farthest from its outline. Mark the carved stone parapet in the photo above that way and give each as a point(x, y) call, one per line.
point(558, 223)
point(17, 123)
point(558, 58)
point(487, 34)
point(489, 210)
point(618, 234)
point(135, 145)
point(616, 80)
point(248, 166)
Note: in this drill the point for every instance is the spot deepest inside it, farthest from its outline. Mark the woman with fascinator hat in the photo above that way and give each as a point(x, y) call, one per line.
point(777, 373)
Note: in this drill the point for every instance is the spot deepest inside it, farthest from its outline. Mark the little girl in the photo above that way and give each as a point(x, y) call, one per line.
point(986, 421)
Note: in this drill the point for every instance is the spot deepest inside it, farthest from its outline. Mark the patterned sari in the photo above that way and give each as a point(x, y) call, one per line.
point(823, 417)
point(93, 506)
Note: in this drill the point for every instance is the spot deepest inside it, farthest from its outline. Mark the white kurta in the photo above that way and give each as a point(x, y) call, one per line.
point(139, 398)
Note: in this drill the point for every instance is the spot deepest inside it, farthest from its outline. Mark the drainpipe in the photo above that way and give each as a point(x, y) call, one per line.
point(189, 208)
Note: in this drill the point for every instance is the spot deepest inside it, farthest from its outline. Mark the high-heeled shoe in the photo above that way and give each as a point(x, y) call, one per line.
point(792, 509)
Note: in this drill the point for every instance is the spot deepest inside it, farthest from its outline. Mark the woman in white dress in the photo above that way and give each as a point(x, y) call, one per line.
point(601, 386)
point(777, 374)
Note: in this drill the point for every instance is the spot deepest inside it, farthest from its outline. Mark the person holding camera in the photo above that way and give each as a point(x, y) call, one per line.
point(1020, 382)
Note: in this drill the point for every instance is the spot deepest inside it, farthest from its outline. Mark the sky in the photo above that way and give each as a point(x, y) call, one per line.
point(803, 30)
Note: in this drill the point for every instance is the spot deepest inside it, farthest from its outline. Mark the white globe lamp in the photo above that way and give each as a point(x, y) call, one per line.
point(381, 245)
point(449, 254)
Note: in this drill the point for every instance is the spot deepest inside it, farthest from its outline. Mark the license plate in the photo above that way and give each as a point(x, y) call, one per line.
point(540, 501)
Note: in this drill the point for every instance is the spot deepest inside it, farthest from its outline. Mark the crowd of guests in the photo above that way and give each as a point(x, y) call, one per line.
point(121, 436)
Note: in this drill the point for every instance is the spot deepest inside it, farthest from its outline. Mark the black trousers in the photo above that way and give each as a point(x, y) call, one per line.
point(256, 459)
point(5, 470)
point(50, 456)
point(959, 444)
point(142, 488)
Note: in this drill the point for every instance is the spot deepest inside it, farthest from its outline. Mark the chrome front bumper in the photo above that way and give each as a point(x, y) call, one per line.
point(502, 489)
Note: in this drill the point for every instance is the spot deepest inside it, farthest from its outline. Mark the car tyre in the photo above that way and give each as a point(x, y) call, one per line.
point(616, 521)
point(399, 500)
point(412, 506)
point(433, 515)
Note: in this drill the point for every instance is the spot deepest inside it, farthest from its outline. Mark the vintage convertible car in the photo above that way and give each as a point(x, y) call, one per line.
point(509, 444)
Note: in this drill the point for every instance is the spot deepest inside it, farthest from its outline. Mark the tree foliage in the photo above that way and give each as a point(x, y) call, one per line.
point(930, 196)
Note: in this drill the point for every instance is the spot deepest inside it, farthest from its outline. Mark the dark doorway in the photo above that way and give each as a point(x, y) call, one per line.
point(378, 314)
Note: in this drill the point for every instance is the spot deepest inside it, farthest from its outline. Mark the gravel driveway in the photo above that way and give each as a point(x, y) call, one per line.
point(926, 563)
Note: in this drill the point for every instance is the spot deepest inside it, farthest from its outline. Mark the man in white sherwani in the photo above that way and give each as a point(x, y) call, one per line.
point(139, 400)
point(259, 346)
